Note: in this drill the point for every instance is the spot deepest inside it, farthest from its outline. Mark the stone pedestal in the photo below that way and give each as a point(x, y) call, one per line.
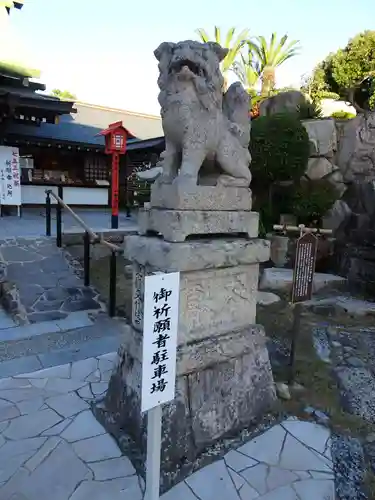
point(224, 379)
point(179, 211)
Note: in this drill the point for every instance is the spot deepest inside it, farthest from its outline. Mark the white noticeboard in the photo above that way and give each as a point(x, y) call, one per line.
point(160, 324)
point(10, 176)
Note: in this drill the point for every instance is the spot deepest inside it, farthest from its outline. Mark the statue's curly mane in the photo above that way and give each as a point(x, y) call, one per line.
point(202, 75)
point(199, 122)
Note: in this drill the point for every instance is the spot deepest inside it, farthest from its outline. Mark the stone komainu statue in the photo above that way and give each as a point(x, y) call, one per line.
point(207, 133)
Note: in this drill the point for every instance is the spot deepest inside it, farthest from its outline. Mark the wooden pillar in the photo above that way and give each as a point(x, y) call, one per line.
point(127, 194)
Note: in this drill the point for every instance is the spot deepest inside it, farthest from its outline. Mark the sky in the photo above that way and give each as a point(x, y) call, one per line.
point(102, 51)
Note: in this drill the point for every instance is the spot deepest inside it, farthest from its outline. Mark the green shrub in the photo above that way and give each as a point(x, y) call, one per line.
point(309, 110)
point(279, 148)
point(312, 199)
point(328, 95)
point(342, 115)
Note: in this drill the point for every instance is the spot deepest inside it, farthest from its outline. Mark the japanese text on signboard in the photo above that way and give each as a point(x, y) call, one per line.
point(138, 295)
point(304, 268)
point(10, 185)
point(159, 339)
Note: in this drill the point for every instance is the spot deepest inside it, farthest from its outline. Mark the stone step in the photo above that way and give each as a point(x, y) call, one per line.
point(350, 305)
point(281, 279)
point(16, 332)
point(267, 298)
point(51, 339)
point(27, 356)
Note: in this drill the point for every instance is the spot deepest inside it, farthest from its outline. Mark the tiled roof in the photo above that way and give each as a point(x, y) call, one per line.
point(83, 126)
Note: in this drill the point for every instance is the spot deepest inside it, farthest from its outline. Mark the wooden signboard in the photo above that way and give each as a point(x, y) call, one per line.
point(304, 268)
point(160, 326)
point(10, 176)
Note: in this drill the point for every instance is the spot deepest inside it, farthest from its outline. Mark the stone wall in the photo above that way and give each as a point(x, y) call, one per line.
point(343, 153)
point(323, 153)
point(355, 212)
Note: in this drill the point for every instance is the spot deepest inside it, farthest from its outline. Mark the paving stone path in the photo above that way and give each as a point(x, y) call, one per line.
point(40, 282)
point(51, 446)
point(48, 316)
point(33, 223)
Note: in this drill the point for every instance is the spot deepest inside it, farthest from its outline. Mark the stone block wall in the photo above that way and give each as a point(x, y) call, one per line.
point(342, 151)
point(323, 153)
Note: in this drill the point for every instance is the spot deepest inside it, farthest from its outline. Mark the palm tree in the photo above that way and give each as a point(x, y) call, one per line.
point(271, 55)
point(234, 46)
point(10, 59)
point(247, 69)
point(64, 95)
point(9, 4)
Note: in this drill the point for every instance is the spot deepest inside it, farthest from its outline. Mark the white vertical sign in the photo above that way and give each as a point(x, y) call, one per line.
point(10, 176)
point(160, 324)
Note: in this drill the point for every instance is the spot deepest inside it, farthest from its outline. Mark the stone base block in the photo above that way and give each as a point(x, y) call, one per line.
point(195, 255)
point(208, 198)
point(218, 281)
point(177, 225)
point(223, 384)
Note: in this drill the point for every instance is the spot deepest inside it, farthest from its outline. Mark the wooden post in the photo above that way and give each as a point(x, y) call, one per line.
point(86, 258)
point(115, 189)
point(303, 278)
point(59, 218)
point(295, 332)
point(127, 198)
point(112, 283)
point(48, 214)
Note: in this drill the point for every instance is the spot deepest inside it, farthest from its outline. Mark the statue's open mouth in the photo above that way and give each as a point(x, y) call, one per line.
point(178, 66)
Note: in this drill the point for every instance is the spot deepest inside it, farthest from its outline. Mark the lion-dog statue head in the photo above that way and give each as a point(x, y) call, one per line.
point(200, 123)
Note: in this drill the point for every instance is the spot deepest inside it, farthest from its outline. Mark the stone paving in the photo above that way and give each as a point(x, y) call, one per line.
point(39, 284)
point(47, 316)
point(51, 446)
point(33, 223)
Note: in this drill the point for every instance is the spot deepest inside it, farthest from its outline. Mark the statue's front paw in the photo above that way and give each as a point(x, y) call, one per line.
point(235, 129)
point(229, 181)
point(185, 180)
point(166, 179)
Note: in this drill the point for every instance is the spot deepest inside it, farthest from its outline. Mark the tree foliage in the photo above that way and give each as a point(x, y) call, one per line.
point(270, 55)
point(247, 69)
point(230, 42)
point(64, 95)
point(343, 115)
point(252, 59)
point(279, 148)
point(311, 200)
point(10, 4)
point(346, 69)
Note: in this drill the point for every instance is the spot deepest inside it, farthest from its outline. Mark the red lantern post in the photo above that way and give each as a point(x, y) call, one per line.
point(115, 145)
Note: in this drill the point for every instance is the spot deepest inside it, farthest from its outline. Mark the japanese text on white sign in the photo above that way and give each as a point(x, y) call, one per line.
point(10, 176)
point(160, 324)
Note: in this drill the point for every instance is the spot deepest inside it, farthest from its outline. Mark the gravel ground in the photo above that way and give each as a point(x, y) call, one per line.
point(349, 466)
